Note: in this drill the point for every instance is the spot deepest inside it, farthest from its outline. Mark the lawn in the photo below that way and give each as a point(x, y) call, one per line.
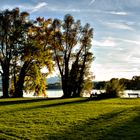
point(69, 119)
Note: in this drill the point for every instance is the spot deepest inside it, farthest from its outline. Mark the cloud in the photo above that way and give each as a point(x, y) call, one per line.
point(60, 9)
point(135, 42)
point(117, 13)
point(38, 6)
point(115, 41)
point(117, 63)
point(108, 42)
point(108, 70)
point(122, 26)
point(121, 13)
point(91, 2)
point(131, 41)
point(30, 7)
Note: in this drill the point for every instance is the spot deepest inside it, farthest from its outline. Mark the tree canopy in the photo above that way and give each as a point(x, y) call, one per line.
point(71, 44)
point(24, 50)
point(26, 46)
point(13, 25)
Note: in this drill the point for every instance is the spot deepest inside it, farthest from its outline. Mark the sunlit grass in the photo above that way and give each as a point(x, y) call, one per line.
point(72, 119)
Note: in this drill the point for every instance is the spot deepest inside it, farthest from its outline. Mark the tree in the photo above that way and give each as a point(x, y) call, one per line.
point(12, 26)
point(126, 82)
point(114, 88)
point(71, 44)
point(99, 85)
point(35, 82)
point(34, 55)
point(135, 82)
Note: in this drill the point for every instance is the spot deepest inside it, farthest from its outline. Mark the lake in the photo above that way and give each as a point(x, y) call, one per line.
point(54, 93)
point(50, 93)
point(125, 93)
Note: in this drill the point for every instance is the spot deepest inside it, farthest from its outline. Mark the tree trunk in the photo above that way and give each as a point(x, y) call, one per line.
point(5, 84)
point(20, 82)
point(19, 87)
point(65, 89)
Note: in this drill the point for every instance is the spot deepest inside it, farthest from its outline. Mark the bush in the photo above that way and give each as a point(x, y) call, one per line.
point(114, 88)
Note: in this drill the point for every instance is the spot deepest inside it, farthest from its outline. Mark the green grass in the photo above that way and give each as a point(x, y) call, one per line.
point(70, 119)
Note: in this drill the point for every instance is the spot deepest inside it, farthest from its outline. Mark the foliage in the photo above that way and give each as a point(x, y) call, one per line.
point(78, 119)
point(56, 85)
point(99, 84)
point(35, 55)
point(114, 88)
point(71, 44)
point(12, 27)
point(35, 82)
point(27, 46)
point(129, 84)
point(135, 82)
point(24, 50)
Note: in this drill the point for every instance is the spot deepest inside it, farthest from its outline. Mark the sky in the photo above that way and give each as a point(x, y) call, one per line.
point(116, 23)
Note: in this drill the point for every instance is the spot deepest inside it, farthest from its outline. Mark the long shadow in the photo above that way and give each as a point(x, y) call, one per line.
point(84, 130)
point(101, 128)
point(60, 103)
point(129, 130)
point(33, 100)
point(13, 101)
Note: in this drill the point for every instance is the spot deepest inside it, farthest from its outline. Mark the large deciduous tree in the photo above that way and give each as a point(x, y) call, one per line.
point(12, 29)
point(71, 44)
point(24, 50)
point(35, 55)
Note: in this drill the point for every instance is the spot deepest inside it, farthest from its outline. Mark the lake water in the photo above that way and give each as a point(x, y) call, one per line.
point(125, 93)
point(58, 93)
point(131, 91)
point(50, 94)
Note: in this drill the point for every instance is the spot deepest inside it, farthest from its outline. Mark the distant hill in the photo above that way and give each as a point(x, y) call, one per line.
point(52, 80)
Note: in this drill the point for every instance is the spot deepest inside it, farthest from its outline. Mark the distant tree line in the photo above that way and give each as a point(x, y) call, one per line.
point(112, 89)
point(129, 84)
point(56, 85)
point(26, 46)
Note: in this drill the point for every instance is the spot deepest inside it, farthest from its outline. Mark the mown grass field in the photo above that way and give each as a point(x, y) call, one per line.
point(70, 119)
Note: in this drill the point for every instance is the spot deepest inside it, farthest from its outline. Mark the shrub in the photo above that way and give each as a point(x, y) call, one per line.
point(114, 88)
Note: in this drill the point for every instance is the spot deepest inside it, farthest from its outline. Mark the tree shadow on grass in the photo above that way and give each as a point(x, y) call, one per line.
point(106, 127)
point(59, 102)
point(63, 101)
point(13, 101)
point(129, 130)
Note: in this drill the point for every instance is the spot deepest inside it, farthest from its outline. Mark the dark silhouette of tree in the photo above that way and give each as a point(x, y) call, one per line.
point(12, 26)
point(126, 82)
point(99, 84)
point(71, 44)
point(27, 46)
point(135, 82)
